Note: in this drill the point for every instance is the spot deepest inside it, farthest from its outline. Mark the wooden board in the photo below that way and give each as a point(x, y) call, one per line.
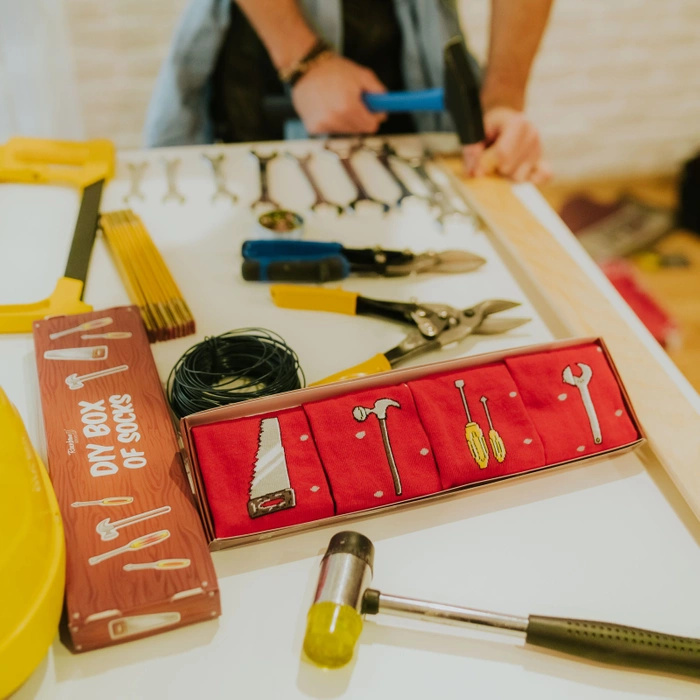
point(670, 419)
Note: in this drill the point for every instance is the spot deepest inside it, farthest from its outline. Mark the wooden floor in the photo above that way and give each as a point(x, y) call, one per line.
point(676, 289)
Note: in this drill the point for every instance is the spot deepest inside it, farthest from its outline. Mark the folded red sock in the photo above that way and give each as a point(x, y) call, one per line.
point(470, 449)
point(261, 473)
point(557, 407)
point(369, 465)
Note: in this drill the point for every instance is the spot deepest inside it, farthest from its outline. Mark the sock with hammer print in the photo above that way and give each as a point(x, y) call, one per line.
point(373, 448)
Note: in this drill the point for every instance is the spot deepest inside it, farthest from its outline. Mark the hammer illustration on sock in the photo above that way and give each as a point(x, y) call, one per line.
point(381, 406)
point(343, 597)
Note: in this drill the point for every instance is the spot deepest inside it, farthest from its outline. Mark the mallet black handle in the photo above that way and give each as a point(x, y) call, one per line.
point(616, 644)
point(599, 641)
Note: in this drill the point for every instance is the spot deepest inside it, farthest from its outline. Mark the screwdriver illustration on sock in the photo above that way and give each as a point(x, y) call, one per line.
point(497, 445)
point(473, 433)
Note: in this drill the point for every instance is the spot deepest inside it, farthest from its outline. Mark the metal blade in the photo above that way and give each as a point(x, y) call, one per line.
point(270, 471)
point(495, 325)
point(491, 306)
point(456, 261)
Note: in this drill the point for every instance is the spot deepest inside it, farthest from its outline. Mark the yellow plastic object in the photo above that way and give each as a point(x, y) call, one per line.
point(332, 631)
point(32, 554)
point(65, 299)
point(375, 364)
point(42, 161)
point(291, 296)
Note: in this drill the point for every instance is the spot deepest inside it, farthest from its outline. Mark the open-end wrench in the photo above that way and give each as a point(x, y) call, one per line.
point(321, 201)
point(75, 381)
point(136, 171)
point(581, 383)
point(217, 166)
point(436, 197)
point(108, 530)
point(264, 197)
point(382, 154)
point(344, 155)
point(171, 167)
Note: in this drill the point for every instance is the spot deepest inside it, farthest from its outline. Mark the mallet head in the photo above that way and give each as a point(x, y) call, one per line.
point(334, 621)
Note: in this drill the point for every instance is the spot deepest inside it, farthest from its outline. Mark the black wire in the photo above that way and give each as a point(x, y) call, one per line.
point(242, 364)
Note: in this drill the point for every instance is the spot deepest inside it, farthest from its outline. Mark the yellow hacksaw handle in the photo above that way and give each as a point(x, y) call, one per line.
point(292, 296)
point(375, 364)
point(65, 299)
point(42, 161)
point(477, 444)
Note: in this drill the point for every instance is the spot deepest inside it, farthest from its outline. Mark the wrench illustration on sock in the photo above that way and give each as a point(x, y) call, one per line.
point(581, 383)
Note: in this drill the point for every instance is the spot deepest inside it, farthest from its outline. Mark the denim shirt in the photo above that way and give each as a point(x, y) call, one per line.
point(178, 111)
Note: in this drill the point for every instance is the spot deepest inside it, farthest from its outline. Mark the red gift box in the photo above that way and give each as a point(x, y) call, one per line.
point(373, 448)
point(555, 386)
point(477, 425)
point(261, 473)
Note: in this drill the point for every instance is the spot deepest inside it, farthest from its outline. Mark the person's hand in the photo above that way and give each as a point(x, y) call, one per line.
point(514, 149)
point(329, 98)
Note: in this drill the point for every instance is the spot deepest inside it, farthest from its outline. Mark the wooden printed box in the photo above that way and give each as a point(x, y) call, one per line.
point(137, 557)
point(326, 454)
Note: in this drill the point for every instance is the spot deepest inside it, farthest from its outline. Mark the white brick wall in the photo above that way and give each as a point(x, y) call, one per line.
point(615, 89)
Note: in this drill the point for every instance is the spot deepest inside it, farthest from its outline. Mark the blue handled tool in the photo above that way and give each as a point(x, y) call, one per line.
point(459, 97)
point(270, 260)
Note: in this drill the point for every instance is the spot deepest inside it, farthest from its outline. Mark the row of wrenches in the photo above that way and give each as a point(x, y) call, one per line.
point(437, 196)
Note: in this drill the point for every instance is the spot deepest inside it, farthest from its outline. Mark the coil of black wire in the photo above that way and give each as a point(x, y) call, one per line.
point(235, 366)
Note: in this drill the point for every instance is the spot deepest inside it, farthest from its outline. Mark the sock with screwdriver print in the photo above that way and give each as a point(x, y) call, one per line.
point(477, 425)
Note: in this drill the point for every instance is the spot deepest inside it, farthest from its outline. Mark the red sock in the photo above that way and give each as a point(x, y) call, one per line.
point(349, 439)
point(469, 451)
point(233, 454)
point(557, 408)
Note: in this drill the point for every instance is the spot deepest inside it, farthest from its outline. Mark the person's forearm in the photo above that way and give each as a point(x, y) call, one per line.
point(281, 27)
point(516, 30)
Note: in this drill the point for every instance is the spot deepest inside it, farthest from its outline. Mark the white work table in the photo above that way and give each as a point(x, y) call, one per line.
point(614, 539)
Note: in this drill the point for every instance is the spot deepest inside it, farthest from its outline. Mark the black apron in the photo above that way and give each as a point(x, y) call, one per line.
point(248, 101)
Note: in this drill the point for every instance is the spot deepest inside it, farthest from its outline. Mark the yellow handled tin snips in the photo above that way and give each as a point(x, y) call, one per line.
point(436, 325)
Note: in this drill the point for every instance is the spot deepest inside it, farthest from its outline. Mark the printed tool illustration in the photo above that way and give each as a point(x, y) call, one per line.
point(87, 326)
point(76, 381)
point(135, 545)
point(162, 564)
point(270, 490)
point(473, 433)
point(380, 408)
point(581, 383)
point(109, 501)
point(109, 530)
point(498, 447)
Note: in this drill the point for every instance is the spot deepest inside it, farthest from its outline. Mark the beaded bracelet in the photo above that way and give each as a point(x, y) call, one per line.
point(318, 51)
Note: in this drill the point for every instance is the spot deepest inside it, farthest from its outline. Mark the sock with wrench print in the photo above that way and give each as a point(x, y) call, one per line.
point(574, 400)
